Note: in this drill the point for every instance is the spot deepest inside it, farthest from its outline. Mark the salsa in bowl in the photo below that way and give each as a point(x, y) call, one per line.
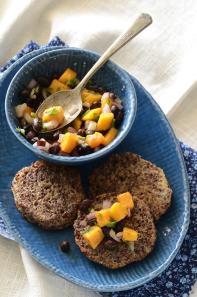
point(109, 106)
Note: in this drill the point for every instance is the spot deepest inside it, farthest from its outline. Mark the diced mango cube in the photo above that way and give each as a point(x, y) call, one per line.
point(68, 142)
point(95, 140)
point(118, 212)
point(103, 217)
point(68, 74)
point(90, 96)
point(110, 135)
point(129, 234)
point(53, 113)
point(126, 199)
point(57, 86)
point(94, 236)
point(92, 114)
point(105, 121)
point(77, 123)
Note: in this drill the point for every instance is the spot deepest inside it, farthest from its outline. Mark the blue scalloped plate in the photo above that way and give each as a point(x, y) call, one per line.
point(151, 137)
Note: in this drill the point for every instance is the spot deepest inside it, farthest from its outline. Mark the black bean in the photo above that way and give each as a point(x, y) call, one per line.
point(84, 109)
point(54, 149)
point(119, 119)
point(81, 132)
point(85, 204)
point(33, 140)
point(27, 128)
point(31, 134)
point(65, 246)
point(25, 93)
point(100, 90)
point(84, 149)
point(43, 81)
point(33, 103)
point(56, 135)
point(37, 124)
point(95, 104)
point(110, 244)
point(115, 110)
point(106, 231)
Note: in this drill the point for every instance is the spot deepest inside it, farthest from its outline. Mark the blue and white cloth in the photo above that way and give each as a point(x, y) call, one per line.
point(180, 276)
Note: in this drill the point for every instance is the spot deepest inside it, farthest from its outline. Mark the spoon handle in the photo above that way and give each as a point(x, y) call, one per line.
point(143, 21)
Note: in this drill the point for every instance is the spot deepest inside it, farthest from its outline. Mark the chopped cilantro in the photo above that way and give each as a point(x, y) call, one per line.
point(113, 123)
point(89, 83)
point(72, 82)
point(33, 115)
point(96, 117)
point(111, 224)
point(52, 111)
point(21, 131)
point(85, 112)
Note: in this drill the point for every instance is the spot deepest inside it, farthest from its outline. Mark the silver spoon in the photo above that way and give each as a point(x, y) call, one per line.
point(71, 100)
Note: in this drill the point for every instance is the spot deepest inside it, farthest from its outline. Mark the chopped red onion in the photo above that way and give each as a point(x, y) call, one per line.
point(131, 246)
point(71, 130)
point(106, 204)
point(105, 96)
point(113, 235)
point(32, 84)
point(119, 235)
point(106, 108)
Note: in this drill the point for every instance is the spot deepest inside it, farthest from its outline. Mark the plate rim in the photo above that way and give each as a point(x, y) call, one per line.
point(34, 252)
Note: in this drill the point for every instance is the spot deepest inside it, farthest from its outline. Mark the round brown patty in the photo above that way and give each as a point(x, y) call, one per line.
point(47, 194)
point(140, 220)
point(129, 172)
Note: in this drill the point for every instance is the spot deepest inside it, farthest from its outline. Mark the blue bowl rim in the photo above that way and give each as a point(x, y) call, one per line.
point(185, 225)
point(79, 159)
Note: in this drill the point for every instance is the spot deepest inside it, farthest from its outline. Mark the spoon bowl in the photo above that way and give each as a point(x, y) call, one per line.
point(71, 101)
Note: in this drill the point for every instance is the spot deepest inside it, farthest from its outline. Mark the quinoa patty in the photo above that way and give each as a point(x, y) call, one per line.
point(47, 194)
point(140, 220)
point(129, 172)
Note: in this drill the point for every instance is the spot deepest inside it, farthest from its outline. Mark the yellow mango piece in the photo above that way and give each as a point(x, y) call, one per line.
point(126, 199)
point(95, 140)
point(103, 217)
point(106, 101)
point(77, 123)
point(94, 236)
point(69, 142)
point(90, 96)
point(129, 234)
point(28, 110)
point(105, 121)
point(118, 212)
point(92, 114)
point(53, 113)
point(57, 86)
point(110, 135)
point(67, 75)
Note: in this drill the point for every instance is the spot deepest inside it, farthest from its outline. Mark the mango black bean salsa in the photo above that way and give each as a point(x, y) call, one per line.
point(96, 126)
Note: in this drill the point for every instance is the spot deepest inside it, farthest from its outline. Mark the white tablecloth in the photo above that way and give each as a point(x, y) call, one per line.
point(163, 58)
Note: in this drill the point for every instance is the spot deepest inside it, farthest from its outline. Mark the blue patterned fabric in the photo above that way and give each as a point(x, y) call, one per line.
point(178, 279)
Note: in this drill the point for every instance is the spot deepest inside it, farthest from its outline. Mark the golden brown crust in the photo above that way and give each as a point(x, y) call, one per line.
point(129, 172)
point(48, 194)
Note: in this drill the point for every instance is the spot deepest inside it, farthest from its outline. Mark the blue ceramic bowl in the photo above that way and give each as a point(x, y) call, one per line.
point(110, 76)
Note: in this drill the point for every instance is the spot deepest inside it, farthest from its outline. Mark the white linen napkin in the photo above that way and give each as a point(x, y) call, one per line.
point(163, 58)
